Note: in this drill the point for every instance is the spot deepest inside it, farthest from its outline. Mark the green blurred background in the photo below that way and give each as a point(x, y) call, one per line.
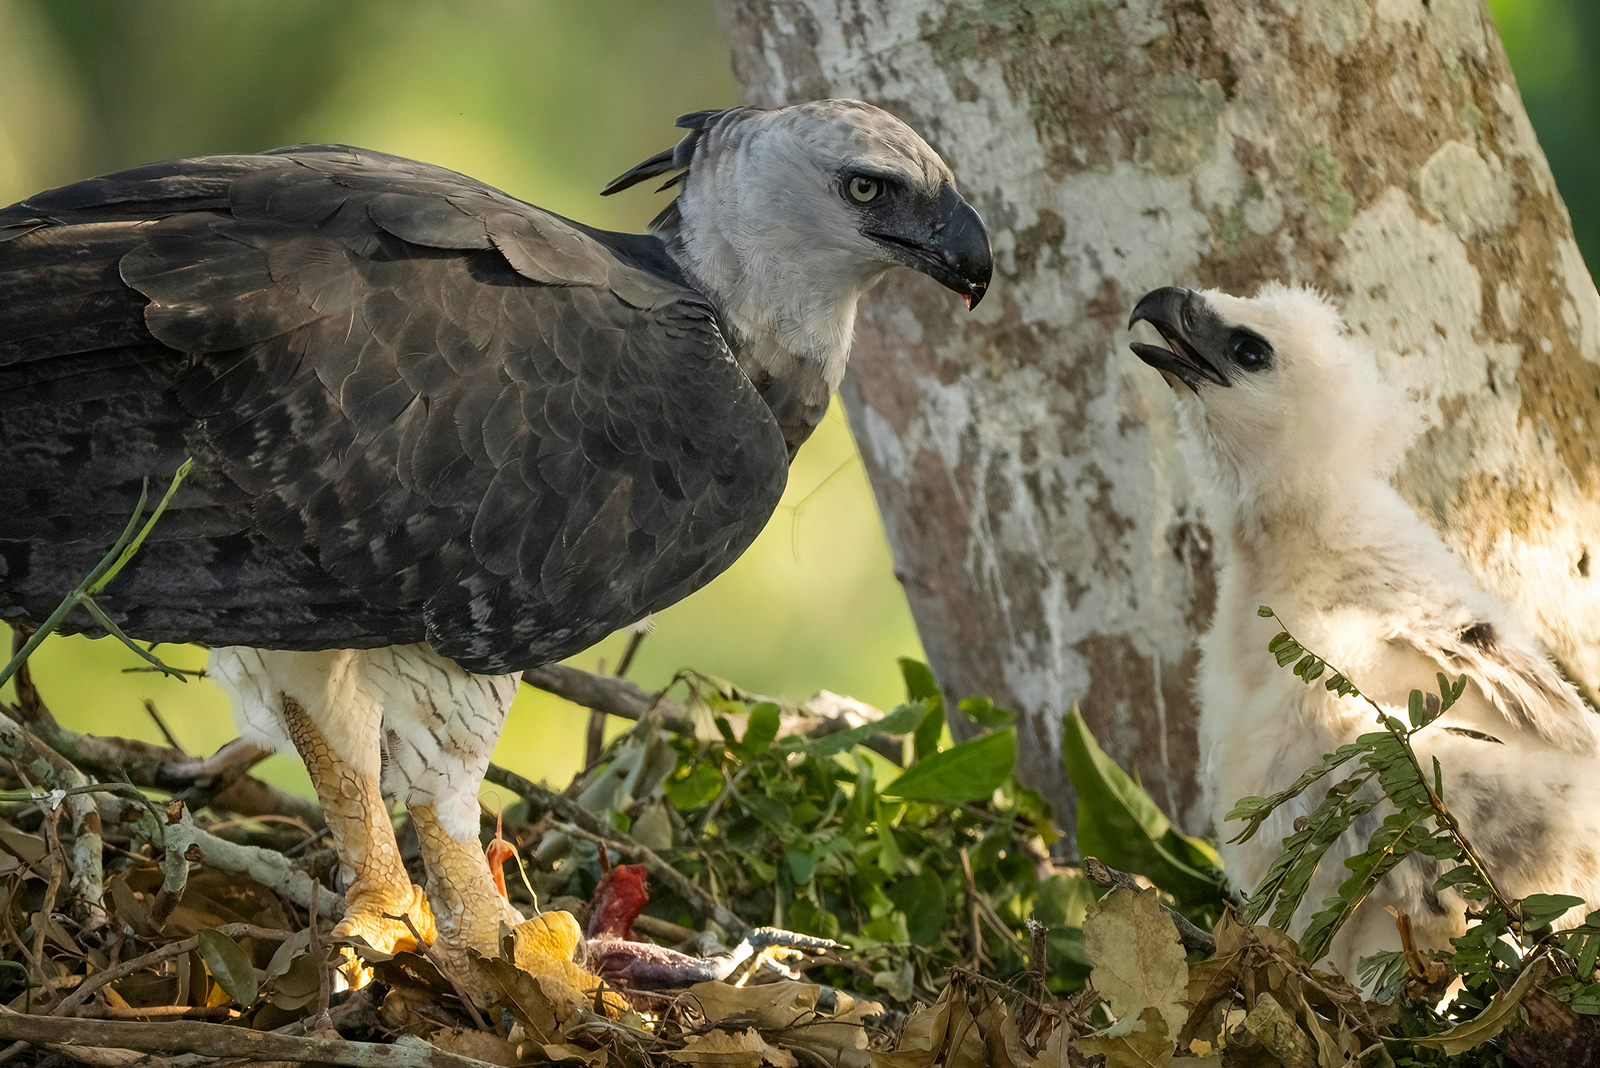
point(547, 99)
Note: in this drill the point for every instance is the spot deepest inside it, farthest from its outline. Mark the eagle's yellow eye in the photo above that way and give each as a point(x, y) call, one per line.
point(865, 190)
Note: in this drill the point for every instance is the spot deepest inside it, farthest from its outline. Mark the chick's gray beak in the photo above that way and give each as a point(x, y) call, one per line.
point(1175, 313)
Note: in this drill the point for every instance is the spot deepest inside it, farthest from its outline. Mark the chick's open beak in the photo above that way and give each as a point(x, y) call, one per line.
point(1174, 312)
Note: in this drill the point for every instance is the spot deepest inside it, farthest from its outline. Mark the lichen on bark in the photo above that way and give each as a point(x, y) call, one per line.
point(1027, 469)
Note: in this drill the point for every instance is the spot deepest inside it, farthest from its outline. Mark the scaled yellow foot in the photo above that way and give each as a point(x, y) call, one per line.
point(366, 917)
point(545, 945)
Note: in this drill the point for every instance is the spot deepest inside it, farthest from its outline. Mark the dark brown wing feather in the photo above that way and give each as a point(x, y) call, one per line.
point(420, 411)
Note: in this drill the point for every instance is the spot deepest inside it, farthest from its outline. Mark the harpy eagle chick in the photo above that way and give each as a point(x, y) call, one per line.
point(1293, 435)
point(440, 435)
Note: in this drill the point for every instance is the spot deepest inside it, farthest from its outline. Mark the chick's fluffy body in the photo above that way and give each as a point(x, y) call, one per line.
point(1295, 461)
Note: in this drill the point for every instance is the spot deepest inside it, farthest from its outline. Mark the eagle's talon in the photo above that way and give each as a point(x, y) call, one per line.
point(381, 921)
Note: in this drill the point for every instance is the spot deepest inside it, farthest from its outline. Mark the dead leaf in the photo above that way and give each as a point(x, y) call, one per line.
point(739, 1049)
point(1057, 1052)
point(521, 994)
point(594, 1058)
point(480, 1045)
point(794, 1013)
point(1138, 962)
point(1277, 1031)
point(1500, 1011)
point(131, 909)
point(944, 1033)
point(1133, 1043)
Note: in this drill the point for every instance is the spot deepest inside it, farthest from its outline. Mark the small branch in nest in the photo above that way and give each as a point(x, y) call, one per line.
point(58, 865)
point(609, 694)
point(581, 823)
point(31, 709)
point(222, 1040)
point(181, 849)
point(1106, 877)
point(145, 764)
point(431, 953)
point(267, 867)
point(1038, 975)
point(979, 955)
point(161, 725)
point(617, 696)
point(45, 767)
point(186, 1012)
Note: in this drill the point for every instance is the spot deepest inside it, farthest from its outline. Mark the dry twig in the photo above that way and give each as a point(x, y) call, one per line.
point(1106, 877)
point(221, 1040)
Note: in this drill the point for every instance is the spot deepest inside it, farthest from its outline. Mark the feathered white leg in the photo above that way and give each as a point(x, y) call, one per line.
point(440, 727)
point(326, 707)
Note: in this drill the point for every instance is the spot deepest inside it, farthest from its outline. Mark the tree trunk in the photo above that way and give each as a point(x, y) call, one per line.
point(1042, 520)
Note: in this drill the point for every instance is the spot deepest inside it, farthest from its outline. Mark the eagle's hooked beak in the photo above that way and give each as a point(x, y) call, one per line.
point(1178, 315)
point(945, 239)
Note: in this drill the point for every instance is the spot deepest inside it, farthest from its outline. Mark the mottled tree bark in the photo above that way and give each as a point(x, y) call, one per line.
point(1042, 518)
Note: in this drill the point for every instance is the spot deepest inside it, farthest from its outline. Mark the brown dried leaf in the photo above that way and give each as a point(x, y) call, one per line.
point(1500, 1011)
point(594, 1058)
point(788, 1012)
point(1133, 1043)
point(29, 848)
point(521, 994)
point(480, 1045)
point(131, 909)
point(1278, 1032)
point(943, 1033)
point(1057, 1052)
point(1138, 961)
point(738, 1049)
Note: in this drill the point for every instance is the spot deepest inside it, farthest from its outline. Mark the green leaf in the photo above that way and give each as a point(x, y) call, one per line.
point(1417, 709)
point(1062, 900)
point(902, 720)
point(1392, 842)
point(1264, 612)
point(929, 731)
point(1255, 810)
point(982, 711)
point(1587, 955)
point(967, 772)
point(1120, 823)
point(890, 859)
point(1289, 877)
point(697, 789)
point(761, 728)
point(923, 902)
point(1541, 910)
point(229, 966)
point(769, 809)
point(920, 683)
point(802, 865)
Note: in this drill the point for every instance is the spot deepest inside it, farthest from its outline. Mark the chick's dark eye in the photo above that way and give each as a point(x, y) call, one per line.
point(864, 190)
point(1249, 351)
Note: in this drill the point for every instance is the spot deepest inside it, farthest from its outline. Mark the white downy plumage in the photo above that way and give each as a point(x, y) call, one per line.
point(1294, 435)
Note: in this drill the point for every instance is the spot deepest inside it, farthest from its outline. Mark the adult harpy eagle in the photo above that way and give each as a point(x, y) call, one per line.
point(440, 435)
point(1294, 436)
